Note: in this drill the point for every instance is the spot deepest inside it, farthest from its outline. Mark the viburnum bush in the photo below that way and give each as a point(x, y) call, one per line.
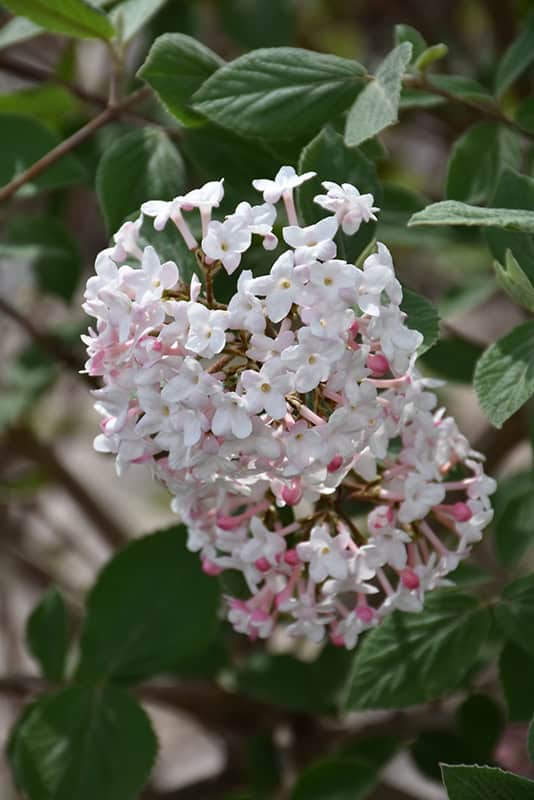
point(337, 543)
point(272, 418)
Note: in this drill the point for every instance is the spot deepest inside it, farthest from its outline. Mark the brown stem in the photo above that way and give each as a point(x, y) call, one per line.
point(69, 144)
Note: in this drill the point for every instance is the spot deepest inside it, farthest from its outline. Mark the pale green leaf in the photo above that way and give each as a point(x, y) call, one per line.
point(377, 106)
point(17, 30)
point(70, 17)
point(430, 55)
point(129, 16)
point(451, 212)
point(515, 282)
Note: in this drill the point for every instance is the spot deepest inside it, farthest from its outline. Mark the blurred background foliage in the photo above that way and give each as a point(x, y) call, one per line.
point(63, 511)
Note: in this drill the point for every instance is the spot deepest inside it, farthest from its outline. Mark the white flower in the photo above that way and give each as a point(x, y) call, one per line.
point(286, 179)
point(327, 555)
point(281, 287)
point(244, 309)
point(419, 497)
point(263, 544)
point(231, 416)
point(267, 390)
point(153, 278)
point(350, 207)
point(206, 333)
point(311, 359)
point(313, 242)
point(226, 241)
point(161, 210)
point(259, 220)
point(191, 384)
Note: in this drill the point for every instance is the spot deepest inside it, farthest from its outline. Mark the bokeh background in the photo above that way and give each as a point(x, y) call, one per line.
point(62, 508)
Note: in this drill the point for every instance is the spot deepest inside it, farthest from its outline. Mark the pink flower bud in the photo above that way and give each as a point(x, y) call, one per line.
point(209, 568)
point(409, 579)
point(461, 512)
point(335, 464)
point(262, 564)
point(365, 614)
point(227, 522)
point(337, 640)
point(292, 494)
point(291, 558)
point(378, 364)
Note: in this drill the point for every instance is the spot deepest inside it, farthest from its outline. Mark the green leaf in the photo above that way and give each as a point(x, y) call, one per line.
point(477, 159)
point(52, 105)
point(18, 30)
point(377, 106)
point(83, 743)
point(279, 93)
point(70, 17)
point(255, 23)
point(142, 165)
point(422, 316)
point(524, 114)
point(461, 87)
point(431, 54)
point(332, 160)
point(480, 723)
point(515, 612)
point(504, 377)
point(151, 606)
point(302, 686)
point(417, 98)
point(483, 783)
point(24, 141)
point(453, 359)
point(530, 742)
point(175, 68)
point(130, 16)
point(23, 382)
point(450, 212)
point(336, 779)
point(52, 251)
point(516, 671)
point(431, 748)
point(513, 190)
point(48, 636)
point(405, 33)
point(414, 658)
point(517, 58)
point(515, 282)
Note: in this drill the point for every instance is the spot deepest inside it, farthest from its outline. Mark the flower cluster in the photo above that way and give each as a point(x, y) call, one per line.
point(302, 447)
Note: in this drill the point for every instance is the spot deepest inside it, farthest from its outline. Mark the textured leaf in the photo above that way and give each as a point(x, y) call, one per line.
point(176, 67)
point(47, 635)
point(151, 606)
point(515, 612)
point(422, 317)
point(279, 93)
point(483, 783)
point(517, 58)
point(477, 159)
point(142, 165)
point(414, 658)
point(83, 743)
point(504, 377)
point(24, 141)
point(70, 17)
point(450, 212)
point(332, 160)
point(377, 106)
point(129, 16)
point(516, 671)
point(515, 282)
point(336, 779)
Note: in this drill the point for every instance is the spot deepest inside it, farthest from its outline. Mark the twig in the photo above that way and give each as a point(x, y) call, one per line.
point(70, 144)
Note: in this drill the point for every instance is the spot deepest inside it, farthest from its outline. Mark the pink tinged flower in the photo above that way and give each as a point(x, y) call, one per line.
point(231, 417)
point(259, 220)
point(127, 240)
point(326, 554)
point(313, 242)
point(226, 241)
point(192, 385)
point(263, 544)
point(286, 179)
point(349, 206)
point(244, 309)
point(164, 211)
point(205, 199)
point(207, 330)
point(281, 288)
point(419, 497)
point(267, 390)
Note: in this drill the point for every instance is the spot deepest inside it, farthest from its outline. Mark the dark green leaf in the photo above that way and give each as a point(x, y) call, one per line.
point(70, 17)
point(417, 98)
point(483, 783)
point(524, 114)
point(336, 779)
point(514, 517)
point(48, 636)
point(433, 53)
point(515, 613)
point(176, 67)
point(517, 58)
point(461, 87)
point(142, 165)
point(480, 722)
point(477, 159)
point(504, 376)
point(405, 33)
point(47, 103)
point(377, 106)
point(83, 743)
point(414, 658)
point(516, 671)
point(255, 23)
point(530, 742)
point(422, 316)
point(279, 93)
point(150, 608)
point(332, 160)
point(450, 212)
point(24, 141)
point(454, 359)
point(431, 748)
point(285, 681)
point(513, 190)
